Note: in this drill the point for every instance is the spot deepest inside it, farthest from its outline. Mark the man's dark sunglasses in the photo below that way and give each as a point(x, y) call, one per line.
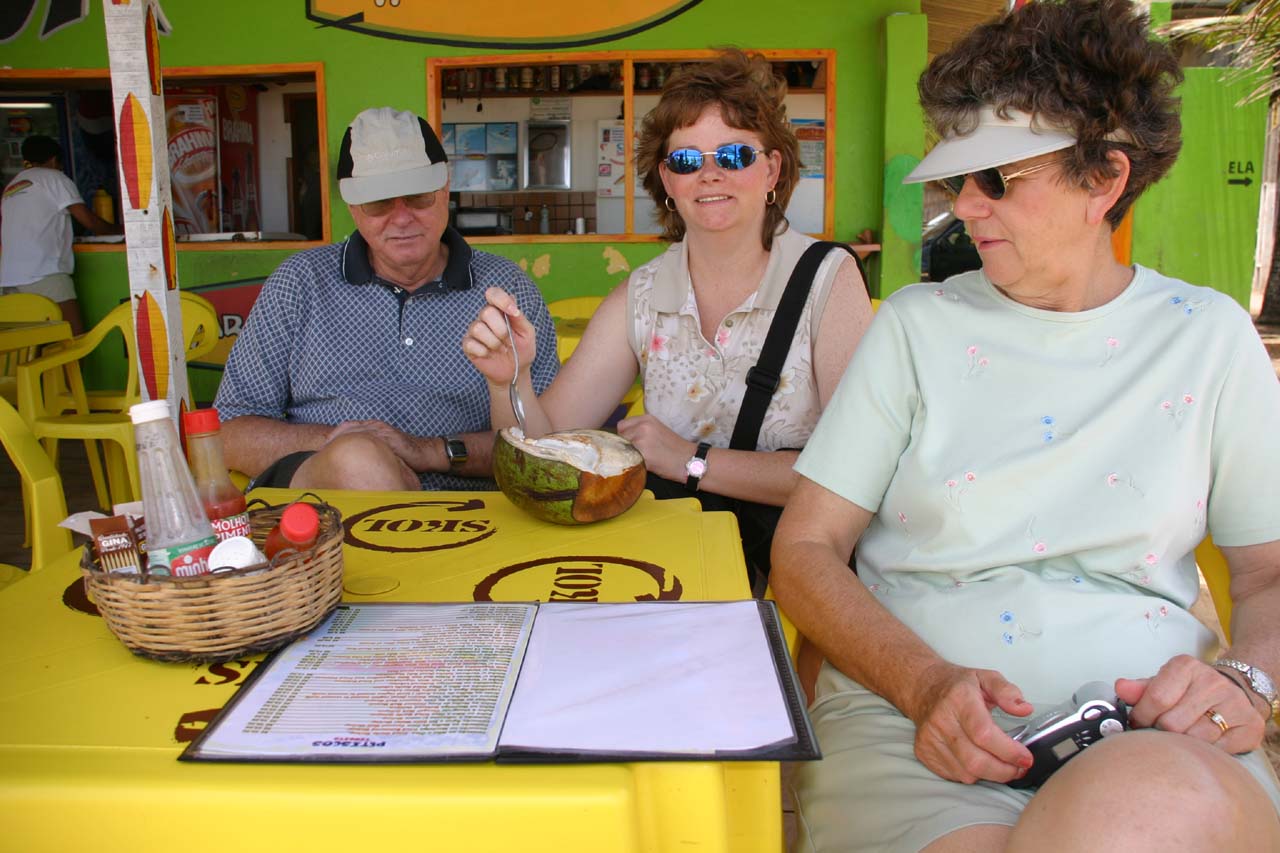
point(991, 182)
point(734, 156)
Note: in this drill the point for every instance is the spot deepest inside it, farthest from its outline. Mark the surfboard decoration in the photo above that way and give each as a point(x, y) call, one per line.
point(498, 23)
point(153, 54)
point(135, 152)
point(170, 247)
point(153, 346)
point(16, 187)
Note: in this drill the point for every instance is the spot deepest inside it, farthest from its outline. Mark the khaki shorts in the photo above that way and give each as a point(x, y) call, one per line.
point(59, 287)
point(870, 793)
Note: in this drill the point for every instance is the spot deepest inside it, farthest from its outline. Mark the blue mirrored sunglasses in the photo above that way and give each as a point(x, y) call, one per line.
point(734, 156)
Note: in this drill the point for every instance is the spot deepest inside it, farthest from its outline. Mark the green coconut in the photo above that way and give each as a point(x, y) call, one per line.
point(570, 477)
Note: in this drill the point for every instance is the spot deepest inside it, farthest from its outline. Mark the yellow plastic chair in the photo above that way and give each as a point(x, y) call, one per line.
point(22, 308)
point(571, 316)
point(42, 490)
point(119, 482)
point(1217, 577)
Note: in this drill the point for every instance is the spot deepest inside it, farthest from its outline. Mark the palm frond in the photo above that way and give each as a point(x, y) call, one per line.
point(1252, 34)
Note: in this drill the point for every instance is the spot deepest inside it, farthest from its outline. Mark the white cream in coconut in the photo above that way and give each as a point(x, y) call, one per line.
point(603, 454)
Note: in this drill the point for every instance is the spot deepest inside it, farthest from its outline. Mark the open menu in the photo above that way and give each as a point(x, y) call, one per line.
point(551, 682)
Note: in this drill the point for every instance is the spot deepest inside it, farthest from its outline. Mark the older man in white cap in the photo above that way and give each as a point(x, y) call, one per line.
point(348, 374)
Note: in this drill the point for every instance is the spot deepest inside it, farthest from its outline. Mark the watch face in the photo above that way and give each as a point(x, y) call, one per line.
point(1262, 682)
point(695, 467)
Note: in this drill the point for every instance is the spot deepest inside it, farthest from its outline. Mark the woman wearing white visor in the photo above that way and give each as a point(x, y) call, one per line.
point(1040, 446)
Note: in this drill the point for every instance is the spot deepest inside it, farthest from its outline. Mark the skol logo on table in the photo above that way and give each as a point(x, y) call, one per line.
point(418, 526)
point(581, 579)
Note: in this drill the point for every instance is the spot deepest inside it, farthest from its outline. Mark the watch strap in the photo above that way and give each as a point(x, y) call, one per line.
point(696, 468)
point(1251, 674)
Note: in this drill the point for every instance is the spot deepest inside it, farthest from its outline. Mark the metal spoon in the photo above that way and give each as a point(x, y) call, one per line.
point(517, 405)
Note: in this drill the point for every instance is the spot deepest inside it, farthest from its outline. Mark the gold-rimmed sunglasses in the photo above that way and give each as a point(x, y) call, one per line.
point(383, 206)
point(992, 182)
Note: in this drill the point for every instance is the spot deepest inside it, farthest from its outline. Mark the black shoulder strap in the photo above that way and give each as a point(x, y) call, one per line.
point(763, 378)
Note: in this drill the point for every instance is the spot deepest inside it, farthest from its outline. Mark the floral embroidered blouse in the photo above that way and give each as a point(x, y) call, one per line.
point(1041, 478)
point(696, 386)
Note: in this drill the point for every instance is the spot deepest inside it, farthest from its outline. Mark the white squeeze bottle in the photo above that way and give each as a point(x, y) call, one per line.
point(179, 535)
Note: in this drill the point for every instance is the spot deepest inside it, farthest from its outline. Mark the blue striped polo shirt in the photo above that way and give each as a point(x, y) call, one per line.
point(329, 341)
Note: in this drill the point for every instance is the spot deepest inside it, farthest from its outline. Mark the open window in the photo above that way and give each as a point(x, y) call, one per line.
point(514, 125)
point(247, 152)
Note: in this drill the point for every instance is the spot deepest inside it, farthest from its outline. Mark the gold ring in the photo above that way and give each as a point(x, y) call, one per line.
point(1218, 719)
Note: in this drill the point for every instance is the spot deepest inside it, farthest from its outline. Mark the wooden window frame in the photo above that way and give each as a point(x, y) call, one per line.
point(52, 77)
point(435, 67)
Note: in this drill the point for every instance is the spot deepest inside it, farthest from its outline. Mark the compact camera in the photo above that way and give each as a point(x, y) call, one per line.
point(1059, 734)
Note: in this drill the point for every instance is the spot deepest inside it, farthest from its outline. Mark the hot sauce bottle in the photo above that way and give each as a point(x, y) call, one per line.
point(297, 531)
point(223, 502)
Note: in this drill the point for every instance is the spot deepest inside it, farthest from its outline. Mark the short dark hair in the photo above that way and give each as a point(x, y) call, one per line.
point(40, 149)
point(750, 97)
point(1090, 66)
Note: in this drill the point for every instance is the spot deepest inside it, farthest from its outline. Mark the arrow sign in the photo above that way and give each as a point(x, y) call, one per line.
point(1243, 182)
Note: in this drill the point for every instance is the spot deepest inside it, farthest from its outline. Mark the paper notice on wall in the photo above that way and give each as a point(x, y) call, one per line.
point(611, 159)
point(553, 109)
point(812, 133)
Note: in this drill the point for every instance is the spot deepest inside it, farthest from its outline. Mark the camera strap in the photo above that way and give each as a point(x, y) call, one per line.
point(763, 378)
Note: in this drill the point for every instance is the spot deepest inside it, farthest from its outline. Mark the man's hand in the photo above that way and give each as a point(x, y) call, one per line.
point(1180, 697)
point(420, 454)
point(956, 736)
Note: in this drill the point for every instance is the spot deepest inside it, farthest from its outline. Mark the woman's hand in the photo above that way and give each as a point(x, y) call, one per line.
point(486, 344)
point(1180, 697)
point(664, 451)
point(956, 736)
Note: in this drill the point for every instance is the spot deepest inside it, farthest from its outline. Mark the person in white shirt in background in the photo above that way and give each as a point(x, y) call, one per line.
point(35, 228)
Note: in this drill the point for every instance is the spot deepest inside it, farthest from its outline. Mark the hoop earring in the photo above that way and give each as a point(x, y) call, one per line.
point(770, 197)
point(670, 203)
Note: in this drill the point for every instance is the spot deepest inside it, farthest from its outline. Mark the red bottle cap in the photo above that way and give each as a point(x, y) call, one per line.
point(200, 421)
point(299, 523)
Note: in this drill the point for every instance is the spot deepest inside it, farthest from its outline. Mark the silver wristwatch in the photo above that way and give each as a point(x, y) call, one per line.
point(1259, 681)
point(456, 451)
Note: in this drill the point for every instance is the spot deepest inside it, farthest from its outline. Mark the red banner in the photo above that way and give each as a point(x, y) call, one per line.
point(238, 143)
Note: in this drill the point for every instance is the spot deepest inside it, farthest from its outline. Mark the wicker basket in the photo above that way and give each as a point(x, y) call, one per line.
point(223, 616)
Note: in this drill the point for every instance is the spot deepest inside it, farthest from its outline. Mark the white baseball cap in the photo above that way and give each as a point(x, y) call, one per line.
point(994, 142)
point(387, 153)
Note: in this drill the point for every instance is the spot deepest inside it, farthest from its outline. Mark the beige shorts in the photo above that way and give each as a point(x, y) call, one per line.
point(59, 287)
point(870, 793)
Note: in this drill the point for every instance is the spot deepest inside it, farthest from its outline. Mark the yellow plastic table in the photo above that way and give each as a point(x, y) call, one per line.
point(90, 734)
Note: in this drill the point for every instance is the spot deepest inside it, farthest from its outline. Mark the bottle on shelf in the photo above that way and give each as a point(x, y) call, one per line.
point(179, 536)
point(555, 78)
point(544, 220)
point(223, 502)
point(103, 205)
point(298, 530)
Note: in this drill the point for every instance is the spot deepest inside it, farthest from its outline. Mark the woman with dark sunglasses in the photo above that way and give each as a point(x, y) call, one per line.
point(1040, 446)
point(719, 159)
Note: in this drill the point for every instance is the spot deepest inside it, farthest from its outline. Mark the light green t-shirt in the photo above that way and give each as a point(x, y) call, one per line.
point(1040, 478)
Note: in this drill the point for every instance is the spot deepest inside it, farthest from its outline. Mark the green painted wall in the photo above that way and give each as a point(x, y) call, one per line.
point(362, 71)
point(1200, 223)
point(905, 57)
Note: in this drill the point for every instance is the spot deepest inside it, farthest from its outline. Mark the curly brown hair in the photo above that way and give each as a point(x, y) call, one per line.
point(1090, 66)
point(750, 98)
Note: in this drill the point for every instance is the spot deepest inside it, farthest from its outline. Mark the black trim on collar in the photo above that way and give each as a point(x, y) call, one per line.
point(356, 268)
